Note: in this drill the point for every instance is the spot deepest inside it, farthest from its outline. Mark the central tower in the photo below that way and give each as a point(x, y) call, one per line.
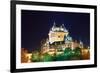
point(57, 33)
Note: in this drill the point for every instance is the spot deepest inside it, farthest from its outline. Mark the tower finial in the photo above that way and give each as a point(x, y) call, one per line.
point(54, 24)
point(63, 26)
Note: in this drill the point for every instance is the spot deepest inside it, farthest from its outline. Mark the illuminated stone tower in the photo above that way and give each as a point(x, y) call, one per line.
point(57, 34)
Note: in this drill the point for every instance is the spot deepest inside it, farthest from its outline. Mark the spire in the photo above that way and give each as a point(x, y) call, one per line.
point(54, 24)
point(81, 42)
point(63, 26)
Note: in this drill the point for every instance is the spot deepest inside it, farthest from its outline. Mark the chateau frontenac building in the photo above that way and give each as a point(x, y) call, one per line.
point(57, 34)
point(58, 40)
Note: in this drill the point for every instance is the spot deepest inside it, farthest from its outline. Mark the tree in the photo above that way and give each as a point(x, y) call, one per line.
point(35, 56)
point(77, 53)
point(59, 57)
point(47, 57)
point(67, 54)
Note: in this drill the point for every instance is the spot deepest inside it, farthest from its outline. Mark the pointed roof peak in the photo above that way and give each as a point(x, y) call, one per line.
point(63, 25)
point(54, 24)
point(81, 42)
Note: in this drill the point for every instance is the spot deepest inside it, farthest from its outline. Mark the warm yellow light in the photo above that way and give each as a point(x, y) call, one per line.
point(29, 56)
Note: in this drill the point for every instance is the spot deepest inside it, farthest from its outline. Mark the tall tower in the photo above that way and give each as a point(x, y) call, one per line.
point(57, 34)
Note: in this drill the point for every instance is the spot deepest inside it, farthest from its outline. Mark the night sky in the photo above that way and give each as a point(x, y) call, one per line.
point(35, 26)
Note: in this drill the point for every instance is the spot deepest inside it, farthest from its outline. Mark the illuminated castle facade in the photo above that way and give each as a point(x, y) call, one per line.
point(59, 39)
point(57, 34)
